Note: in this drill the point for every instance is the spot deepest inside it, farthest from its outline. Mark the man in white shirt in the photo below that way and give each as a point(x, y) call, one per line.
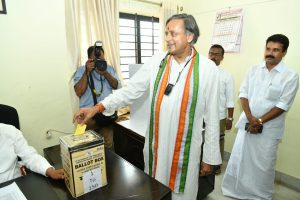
point(14, 145)
point(266, 95)
point(226, 104)
point(183, 88)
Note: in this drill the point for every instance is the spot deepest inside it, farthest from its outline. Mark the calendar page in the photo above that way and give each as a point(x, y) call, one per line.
point(228, 30)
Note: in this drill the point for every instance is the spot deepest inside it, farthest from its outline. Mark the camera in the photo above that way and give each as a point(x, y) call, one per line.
point(100, 64)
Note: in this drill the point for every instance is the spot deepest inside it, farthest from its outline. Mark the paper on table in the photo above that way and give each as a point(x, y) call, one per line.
point(11, 192)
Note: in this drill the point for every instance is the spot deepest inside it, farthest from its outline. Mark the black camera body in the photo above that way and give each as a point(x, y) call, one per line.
point(100, 64)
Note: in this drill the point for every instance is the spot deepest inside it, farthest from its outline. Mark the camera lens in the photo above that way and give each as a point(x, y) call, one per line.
point(100, 65)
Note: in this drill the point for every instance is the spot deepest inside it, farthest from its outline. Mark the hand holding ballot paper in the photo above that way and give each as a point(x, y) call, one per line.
point(80, 129)
point(84, 114)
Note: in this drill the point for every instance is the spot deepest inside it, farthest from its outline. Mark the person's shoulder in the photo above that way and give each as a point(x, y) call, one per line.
point(255, 67)
point(8, 130)
point(81, 68)
point(289, 73)
point(207, 63)
point(289, 69)
point(156, 59)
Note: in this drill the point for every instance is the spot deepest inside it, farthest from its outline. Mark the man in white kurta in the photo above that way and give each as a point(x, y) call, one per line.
point(267, 93)
point(226, 103)
point(14, 145)
point(170, 109)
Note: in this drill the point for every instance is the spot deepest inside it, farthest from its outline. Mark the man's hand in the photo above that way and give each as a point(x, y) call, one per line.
point(89, 66)
point(84, 114)
point(55, 174)
point(206, 169)
point(228, 124)
point(254, 129)
point(255, 125)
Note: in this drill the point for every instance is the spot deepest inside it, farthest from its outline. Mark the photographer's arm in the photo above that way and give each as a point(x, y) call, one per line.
point(113, 82)
point(82, 84)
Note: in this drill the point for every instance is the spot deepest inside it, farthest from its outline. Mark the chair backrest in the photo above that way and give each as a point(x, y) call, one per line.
point(9, 115)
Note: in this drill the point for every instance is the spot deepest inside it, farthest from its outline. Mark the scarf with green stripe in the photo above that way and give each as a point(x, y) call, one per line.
point(181, 153)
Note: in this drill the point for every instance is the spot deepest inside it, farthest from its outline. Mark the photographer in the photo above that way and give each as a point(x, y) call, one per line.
point(93, 82)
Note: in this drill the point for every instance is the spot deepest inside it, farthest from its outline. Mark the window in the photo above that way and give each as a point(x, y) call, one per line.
point(140, 38)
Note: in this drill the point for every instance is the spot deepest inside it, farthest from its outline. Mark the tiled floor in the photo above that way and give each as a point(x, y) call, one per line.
point(281, 192)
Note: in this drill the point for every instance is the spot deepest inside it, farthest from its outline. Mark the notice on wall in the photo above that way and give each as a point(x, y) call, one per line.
point(228, 29)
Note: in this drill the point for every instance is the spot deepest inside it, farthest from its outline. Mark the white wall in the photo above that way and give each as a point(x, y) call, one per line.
point(262, 18)
point(33, 68)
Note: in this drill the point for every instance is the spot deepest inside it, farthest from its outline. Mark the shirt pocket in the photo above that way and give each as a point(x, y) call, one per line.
point(273, 92)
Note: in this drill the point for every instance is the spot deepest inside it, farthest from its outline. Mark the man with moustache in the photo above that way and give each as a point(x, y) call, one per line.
point(226, 103)
point(266, 95)
point(183, 88)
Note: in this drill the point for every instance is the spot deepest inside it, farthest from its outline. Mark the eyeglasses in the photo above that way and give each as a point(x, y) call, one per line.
point(215, 54)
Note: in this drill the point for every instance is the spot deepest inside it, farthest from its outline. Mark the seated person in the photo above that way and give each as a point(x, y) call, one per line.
point(92, 85)
point(14, 145)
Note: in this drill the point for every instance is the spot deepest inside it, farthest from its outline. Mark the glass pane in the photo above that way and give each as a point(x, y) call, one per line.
point(145, 59)
point(157, 25)
point(127, 30)
point(127, 45)
point(124, 68)
point(130, 60)
point(146, 45)
point(125, 53)
point(126, 22)
point(157, 40)
point(146, 39)
point(145, 24)
point(127, 38)
point(146, 52)
point(146, 32)
point(157, 33)
point(157, 46)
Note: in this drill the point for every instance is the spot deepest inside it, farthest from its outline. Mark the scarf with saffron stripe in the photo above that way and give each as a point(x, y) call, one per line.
point(181, 152)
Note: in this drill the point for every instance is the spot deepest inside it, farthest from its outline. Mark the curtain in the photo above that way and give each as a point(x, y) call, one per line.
point(86, 22)
point(169, 8)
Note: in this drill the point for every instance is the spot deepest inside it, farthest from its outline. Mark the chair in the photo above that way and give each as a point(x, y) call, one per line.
point(9, 115)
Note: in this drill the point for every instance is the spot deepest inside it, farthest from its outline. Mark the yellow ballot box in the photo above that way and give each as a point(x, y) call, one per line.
point(83, 160)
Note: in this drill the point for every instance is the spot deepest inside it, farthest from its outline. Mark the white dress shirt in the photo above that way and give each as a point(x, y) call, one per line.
point(12, 145)
point(226, 92)
point(268, 89)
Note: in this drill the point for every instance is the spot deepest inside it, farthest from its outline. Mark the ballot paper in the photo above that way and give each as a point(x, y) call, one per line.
point(80, 129)
point(11, 192)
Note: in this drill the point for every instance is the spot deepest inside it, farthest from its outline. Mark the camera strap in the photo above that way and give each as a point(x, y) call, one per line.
point(92, 87)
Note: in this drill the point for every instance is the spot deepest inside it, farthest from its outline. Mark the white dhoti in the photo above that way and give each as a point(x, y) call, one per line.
point(250, 171)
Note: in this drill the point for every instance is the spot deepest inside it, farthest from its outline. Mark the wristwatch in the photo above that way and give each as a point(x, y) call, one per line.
point(230, 118)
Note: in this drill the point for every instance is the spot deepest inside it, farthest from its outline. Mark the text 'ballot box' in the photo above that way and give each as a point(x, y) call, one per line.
point(83, 160)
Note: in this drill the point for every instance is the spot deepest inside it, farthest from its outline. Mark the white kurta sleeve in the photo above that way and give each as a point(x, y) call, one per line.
point(289, 93)
point(29, 155)
point(134, 89)
point(211, 148)
point(230, 92)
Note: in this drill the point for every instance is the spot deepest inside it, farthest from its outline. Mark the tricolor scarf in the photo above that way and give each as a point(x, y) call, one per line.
point(181, 153)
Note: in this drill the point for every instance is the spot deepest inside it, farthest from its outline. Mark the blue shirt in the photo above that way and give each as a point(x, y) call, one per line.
point(86, 100)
